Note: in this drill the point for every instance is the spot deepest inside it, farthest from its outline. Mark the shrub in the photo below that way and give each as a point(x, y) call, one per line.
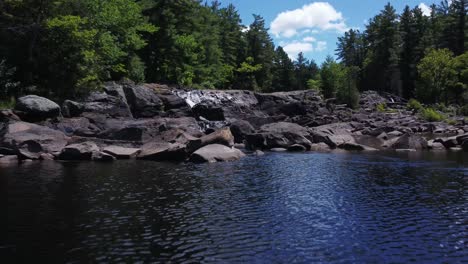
point(381, 107)
point(414, 104)
point(463, 110)
point(7, 104)
point(432, 115)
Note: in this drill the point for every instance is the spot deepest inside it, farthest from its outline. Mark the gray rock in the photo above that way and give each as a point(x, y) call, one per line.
point(159, 151)
point(18, 136)
point(216, 153)
point(37, 108)
point(319, 147)
point(222, 137)
point(8, 160)
point(102, 157)
point(258, 153)
point(143, 101)
point(333, 134)
point(278, 150)
point(81, 151)
point(408, 141)
point(240, 129)
point(297, 148)
point(355, 147)
point(72, 108)
point(121, 152)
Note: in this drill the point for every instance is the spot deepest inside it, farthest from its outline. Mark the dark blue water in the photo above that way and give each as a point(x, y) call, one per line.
point(280, 208)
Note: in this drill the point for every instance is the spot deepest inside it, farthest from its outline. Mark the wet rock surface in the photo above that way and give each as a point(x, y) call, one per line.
point(158, 122)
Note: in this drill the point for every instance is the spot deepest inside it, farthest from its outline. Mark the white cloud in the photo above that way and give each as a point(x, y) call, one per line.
point(309, 39)
point(317, 15)
point(321, 46)
point(425, 9)
point(292, 49)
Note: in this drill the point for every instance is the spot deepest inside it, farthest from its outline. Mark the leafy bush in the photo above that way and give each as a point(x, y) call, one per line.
point(7, 104)
point(463, 110)
point(381, 107)
point(7, 85)
point(432, 115)
point(414, 104)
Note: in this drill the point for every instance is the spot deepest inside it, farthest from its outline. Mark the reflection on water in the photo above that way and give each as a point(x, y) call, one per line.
point(278, 208)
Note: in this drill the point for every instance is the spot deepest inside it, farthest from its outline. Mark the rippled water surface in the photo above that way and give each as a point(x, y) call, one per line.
point(280, 208)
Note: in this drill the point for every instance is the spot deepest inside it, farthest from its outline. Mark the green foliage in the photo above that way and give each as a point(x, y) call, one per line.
point(463, 110)
point(333, 76)
point(415, 105)
point(68, 48)
point(7, 85)
point(381, 108)
point(7, 103)
point(314, 84)
point(432, 115)
point(436, 74)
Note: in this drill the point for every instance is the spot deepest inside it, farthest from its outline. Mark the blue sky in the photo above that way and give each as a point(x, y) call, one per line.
point(312, 26)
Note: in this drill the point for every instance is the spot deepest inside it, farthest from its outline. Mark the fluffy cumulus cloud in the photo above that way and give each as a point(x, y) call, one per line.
point(309, 39)
point(293, 48)
point(425, 9)
point(314, 16)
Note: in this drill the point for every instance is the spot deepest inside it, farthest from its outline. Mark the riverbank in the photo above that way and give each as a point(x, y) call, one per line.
point(161, 123)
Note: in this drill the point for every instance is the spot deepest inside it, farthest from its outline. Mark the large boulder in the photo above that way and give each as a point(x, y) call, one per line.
point(33, 107)
point(31, 140)
point(408, 141)
point(143, 101)
point(240, 129)
point(209, 111)
point(279, 135)
point(162, 151)
point(215, 153)
point(222, 137)
point(333, 134)
point(81, 151)
point(111, 102)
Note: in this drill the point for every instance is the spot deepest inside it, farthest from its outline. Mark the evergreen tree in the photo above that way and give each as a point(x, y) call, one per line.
point(283, 71)
point(260, 47)
point(382, 59)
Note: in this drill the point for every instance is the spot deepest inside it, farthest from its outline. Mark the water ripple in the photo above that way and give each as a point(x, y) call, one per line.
point(283, 208)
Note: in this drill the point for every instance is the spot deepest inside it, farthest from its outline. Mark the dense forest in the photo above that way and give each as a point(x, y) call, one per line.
point(66, 48)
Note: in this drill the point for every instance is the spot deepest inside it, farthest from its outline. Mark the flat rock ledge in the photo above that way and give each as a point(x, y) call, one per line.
point(161, 123)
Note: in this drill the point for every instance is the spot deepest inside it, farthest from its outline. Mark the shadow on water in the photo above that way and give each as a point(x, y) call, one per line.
point(279, 208)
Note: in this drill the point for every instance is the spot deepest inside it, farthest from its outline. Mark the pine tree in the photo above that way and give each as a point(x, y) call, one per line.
point(283, 71)
point(261, 48)
point(382, 59)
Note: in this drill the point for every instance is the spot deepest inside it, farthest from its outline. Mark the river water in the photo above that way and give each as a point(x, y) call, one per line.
point(279, 208)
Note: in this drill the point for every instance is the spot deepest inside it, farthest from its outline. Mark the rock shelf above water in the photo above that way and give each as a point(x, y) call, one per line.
point(157, 122)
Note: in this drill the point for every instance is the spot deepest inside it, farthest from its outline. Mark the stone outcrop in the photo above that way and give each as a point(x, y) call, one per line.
point(162, 123)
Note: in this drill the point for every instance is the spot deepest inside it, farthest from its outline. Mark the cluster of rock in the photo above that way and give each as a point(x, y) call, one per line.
point(157, 122)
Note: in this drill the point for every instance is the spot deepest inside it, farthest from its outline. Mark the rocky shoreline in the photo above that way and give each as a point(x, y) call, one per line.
point(161, 123)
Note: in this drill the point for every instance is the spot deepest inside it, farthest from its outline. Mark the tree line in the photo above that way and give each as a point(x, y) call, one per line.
point(66, 48)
